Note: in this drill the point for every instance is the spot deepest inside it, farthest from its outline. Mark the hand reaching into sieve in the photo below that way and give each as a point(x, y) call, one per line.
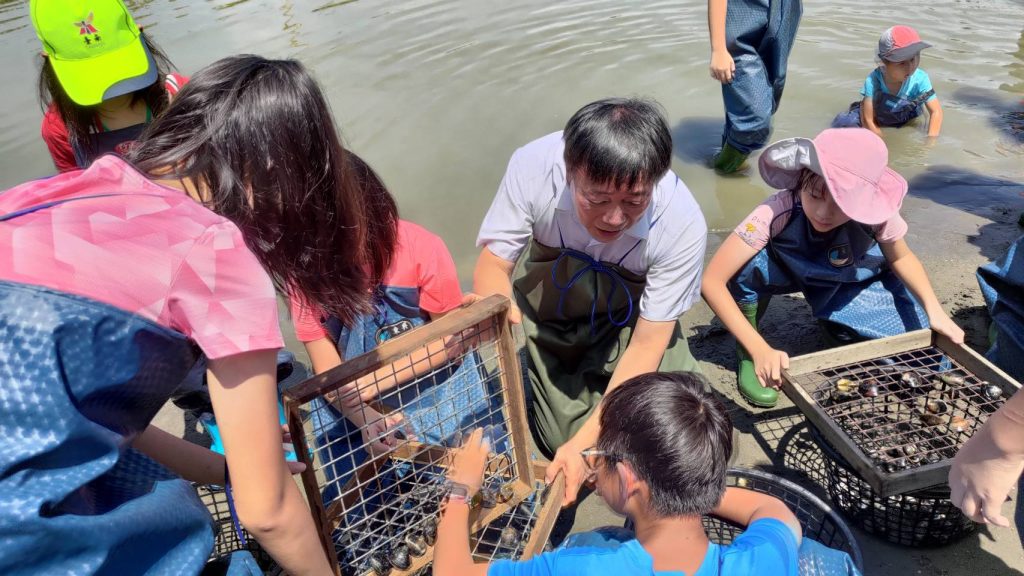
point(990, 464)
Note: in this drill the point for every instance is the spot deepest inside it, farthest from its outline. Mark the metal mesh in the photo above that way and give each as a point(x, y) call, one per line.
point(381, 488)
point(226, 538)
point(817, 519)
point(921, 518)
point(904, 411)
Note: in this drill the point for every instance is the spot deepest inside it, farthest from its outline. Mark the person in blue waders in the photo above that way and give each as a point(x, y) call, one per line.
point(897, 90)
point(750, 45)
point(112, 281)
point(832, 232)
point(610, 245)
point(431, 399)
point(988, 465)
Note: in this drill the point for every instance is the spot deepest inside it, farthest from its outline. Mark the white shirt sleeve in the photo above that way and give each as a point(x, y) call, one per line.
point(508, 224)
point(677, 262)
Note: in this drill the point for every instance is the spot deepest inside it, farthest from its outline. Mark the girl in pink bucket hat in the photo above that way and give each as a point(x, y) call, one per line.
point(832, 232)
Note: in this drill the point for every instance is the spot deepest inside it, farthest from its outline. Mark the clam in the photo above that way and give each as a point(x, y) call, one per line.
point(911, 452)
point(951, 379)
point(913, 379)
point(505, 493)
point(843, 389)
point(931, 419)
point(415, 543)
point(934, 406)
point(509, 537)
point(868, 388)
point(400, 557)
point(991, 391)
point(430, 531)
point(379, 564)
point(958, 424)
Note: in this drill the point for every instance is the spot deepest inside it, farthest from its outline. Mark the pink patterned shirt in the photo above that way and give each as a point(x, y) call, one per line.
point(150, 250)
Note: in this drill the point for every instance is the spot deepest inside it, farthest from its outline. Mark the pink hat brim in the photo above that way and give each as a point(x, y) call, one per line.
point(864, 200)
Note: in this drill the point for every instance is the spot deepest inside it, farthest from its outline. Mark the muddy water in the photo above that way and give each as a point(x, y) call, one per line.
point(437, 94)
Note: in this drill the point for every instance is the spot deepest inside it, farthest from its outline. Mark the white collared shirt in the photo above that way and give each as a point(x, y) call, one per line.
point(534, 200)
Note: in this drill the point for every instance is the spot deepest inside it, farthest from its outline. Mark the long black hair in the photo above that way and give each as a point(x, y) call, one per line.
point(257, 137)
point(676, 435)
point(81, 120)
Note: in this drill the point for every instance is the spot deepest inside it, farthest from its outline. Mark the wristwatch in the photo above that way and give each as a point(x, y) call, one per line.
point(459, 492)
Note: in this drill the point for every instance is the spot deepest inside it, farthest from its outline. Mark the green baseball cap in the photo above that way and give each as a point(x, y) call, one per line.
point(94, 47)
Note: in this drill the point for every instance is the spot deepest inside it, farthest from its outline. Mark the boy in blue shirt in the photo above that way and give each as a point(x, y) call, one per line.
point(660, 460)
point(896, 91)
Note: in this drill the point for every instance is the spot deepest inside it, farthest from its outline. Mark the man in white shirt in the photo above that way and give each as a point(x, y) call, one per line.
point(615, 260)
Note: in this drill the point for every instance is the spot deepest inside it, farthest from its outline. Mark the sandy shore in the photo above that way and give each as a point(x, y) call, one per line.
point(958, 221)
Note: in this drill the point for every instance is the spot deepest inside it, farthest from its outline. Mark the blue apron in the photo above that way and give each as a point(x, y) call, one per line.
point(455, 398)
point(841, 273)
point(1002, 286)
point(759, 35)
point(105, 141)
point(891, 110)
point(79, 380)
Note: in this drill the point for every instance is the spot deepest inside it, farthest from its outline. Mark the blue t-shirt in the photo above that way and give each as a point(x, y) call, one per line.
point(917, 84)
point(766, 547)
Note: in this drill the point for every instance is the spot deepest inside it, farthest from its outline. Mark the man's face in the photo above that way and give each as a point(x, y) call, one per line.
point(606, 211)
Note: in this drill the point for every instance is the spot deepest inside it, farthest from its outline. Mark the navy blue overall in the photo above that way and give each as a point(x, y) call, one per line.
point(1002, 285)
point(79, 381)
point(759, 35)
point(105, 141)
point(841, 273)
point(453, 399)
point(891, 110)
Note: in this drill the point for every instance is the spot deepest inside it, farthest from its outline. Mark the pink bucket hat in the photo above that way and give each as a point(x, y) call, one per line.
point(853, 162)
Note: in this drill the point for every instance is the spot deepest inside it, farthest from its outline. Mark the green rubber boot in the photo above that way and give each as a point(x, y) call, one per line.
point(729, 160)
point(746, 377)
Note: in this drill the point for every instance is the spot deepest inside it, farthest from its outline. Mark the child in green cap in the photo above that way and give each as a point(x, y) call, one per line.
point(101, 82)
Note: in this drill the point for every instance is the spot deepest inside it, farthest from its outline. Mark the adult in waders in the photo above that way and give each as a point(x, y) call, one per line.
point(610, 245)
point(113, 279)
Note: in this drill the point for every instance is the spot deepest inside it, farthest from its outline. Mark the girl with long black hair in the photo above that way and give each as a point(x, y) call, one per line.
point(113, 280)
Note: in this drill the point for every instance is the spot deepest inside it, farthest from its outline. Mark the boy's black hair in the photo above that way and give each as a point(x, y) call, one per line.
point(675, 434)
point(81, 120)
point(622, 141)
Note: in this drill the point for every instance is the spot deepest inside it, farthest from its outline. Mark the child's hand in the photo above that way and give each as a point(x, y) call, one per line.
point(470, 460)
point(722, 66)
point(944, 325)
point(768, 365)
point(380, 432)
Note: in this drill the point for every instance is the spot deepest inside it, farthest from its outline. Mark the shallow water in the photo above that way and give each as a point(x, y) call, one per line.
point(437, 94)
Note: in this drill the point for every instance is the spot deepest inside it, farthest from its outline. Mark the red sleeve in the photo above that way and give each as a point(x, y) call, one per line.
point(437, 279)
point(173, 83)
point(55, 135)
point(306, 320)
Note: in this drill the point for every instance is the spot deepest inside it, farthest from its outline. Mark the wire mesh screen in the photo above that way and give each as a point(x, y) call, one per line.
point(906, 413)
point(377, 434)
point(817, 520)
point(226, 538)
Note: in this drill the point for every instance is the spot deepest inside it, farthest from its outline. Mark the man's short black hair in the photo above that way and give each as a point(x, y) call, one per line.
point(675, 434)
point(622, 141)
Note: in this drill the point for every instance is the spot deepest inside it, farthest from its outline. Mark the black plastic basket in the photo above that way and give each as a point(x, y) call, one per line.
point(817, 519)
point(226, 539)
point(923, 518)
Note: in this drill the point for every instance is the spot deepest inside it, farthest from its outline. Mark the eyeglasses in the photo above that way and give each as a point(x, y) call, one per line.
point(590, 456)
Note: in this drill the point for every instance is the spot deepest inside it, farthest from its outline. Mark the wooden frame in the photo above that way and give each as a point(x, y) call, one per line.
point(491, 312)
point(885, 484)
